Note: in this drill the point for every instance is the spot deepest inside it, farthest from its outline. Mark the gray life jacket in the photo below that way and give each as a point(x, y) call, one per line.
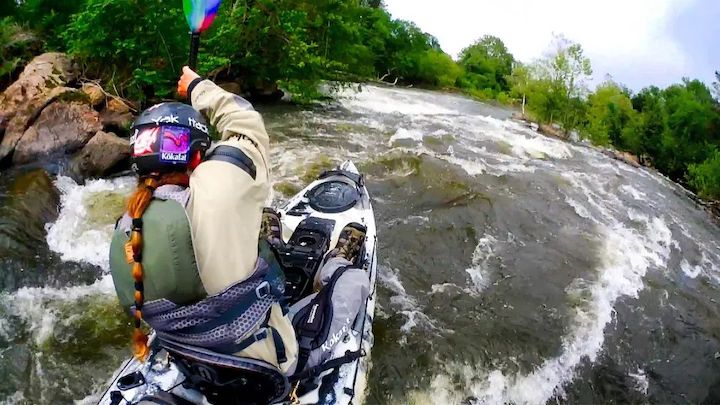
point(177, 306)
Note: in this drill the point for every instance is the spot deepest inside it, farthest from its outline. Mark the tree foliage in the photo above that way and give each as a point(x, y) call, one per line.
point(705, 176)
point(487, 64)
point(138, 46)
point(557, 85)
point(610, 112)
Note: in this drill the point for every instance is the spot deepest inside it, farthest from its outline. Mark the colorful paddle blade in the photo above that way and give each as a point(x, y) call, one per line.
point(200, 14)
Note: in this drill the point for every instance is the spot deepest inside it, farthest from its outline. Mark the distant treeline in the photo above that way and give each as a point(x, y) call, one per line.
point(136, 47)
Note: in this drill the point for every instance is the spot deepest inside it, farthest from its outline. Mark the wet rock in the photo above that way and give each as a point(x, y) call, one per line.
point(116, 122)
point(624, 157)
point(16, 361)
point(32, 201)
point(232, 87)
point(63, 127)
point(117, 106)
point(103, 152)
point(94, 92)
point(44, 80)
point(41, 75)
point(551, 130)
point(628, 158)
point(117, 117)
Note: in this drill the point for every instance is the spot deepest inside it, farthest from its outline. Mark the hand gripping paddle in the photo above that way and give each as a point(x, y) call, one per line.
point(200, 15)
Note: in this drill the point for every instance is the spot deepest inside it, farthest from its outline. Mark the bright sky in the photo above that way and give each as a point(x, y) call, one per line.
point(638, 42)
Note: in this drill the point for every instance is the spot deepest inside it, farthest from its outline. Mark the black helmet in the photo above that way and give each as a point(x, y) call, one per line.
point(165, 136)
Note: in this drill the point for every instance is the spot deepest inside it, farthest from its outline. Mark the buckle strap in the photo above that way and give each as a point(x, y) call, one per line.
point(235, 156)
point(279, 345)
point(313, 372)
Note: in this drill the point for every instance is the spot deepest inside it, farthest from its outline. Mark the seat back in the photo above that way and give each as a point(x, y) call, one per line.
point(227, 379)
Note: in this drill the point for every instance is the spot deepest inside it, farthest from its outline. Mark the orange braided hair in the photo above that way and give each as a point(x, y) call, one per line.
point(137, 204)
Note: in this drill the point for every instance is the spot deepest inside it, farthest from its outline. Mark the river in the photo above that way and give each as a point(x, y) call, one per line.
point(514, 268)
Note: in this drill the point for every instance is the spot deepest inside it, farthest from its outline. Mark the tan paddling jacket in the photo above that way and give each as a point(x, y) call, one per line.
point(225, 208)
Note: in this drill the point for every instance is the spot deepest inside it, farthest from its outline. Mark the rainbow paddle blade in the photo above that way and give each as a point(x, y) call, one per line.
point(200, 14)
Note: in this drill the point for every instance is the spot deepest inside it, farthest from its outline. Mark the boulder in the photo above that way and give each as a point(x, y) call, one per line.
point(628, 158)
point(103, 152)
point(551, 130)
point(41, 75)
point(30, 202)
point(94, 92)
point(62, 127)
point(232, 87)
point(116, 122)
point(117, 106)
point(117, 117)
point(43, 81)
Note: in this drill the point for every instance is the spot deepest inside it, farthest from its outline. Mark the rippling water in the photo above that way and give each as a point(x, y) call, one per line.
point(514, 268)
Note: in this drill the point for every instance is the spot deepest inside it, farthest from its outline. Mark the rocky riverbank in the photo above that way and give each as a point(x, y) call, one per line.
point(50, 115)
point(554, 131)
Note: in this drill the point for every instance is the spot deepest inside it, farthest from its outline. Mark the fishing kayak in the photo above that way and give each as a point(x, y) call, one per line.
point(311, 223)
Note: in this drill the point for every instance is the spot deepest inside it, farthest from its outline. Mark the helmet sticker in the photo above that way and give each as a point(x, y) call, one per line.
point(197, 125)
point(175, 144)
point(144, 141)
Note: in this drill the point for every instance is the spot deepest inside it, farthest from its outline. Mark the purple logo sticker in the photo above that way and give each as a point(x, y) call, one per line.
point(175, 145)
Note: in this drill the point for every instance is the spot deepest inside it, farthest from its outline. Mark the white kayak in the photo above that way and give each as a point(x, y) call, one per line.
point(312, 221)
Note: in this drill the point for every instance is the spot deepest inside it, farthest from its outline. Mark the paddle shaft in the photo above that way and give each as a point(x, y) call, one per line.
point(194, 48)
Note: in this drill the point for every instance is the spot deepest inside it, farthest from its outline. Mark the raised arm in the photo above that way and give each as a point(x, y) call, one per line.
point(230, 114)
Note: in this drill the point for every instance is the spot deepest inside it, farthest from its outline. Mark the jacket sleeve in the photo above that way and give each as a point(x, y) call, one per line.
point(226, 203)
point(232, 116)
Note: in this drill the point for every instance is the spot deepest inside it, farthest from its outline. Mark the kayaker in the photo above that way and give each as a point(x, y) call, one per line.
point(186, 255)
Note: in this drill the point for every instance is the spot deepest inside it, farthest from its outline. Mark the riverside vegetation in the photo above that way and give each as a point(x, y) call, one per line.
point(137, 47)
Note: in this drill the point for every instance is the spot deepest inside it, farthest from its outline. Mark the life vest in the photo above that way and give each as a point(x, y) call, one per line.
point(176, 305)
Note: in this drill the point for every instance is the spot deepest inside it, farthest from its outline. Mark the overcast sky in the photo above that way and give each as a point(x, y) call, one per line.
point(638, 42)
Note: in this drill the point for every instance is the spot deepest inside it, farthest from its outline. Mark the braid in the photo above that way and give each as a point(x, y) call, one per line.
point(138, 203)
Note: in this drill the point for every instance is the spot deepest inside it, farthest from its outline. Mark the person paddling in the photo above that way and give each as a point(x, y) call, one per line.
point(186, 256)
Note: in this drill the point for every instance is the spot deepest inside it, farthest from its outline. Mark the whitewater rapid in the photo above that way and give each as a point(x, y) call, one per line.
point(473, 208)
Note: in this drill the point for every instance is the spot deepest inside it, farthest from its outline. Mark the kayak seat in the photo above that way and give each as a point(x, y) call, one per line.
point(228, 379)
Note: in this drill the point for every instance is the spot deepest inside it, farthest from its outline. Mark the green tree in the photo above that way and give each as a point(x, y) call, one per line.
point(692, 127)
point(705, 177)
point(520, 81)
point(567, 67)
point(49, 18)
point(487, 64)
point(560, 84)
point(7, 8)
point(610, 112)
point(652, 123)
point(138, 46)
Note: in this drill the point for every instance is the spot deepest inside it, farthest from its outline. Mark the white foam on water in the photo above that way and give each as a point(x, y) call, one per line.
point(390, 278)
point(405, 304)
point(641, 381)
point(416, 318)
point(389, 101)
point(412, 219)
point(579, 209)
point(16, 398)
point(633, 192)
point(445, 288)
point(471, 167)
point(478, 270)
point(625, 257)
point(70, 235)
point(402, 133)
point(527, 145)
point(690, 270)
point(37, 306)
